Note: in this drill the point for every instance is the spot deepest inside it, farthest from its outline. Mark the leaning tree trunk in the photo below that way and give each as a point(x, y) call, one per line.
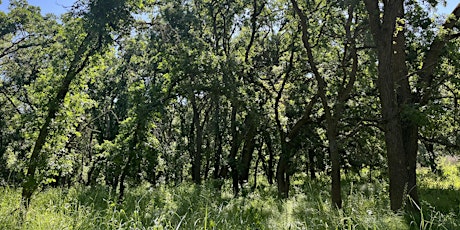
point(37, 158)
point(332, 114)
point(133, 152)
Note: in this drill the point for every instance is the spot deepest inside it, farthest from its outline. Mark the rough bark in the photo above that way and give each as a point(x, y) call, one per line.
point(401, 133)
point(405, 101)
point(383, 32)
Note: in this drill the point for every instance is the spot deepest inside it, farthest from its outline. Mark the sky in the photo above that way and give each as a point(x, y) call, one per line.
point(47, 6)
point(61, 6)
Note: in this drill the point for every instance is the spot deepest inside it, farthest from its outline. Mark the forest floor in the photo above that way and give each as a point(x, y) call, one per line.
point(365, 206)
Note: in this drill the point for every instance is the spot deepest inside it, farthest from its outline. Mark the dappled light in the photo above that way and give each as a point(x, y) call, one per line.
point(230, 114)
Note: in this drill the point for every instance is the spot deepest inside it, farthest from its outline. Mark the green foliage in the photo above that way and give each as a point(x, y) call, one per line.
point(156, 87)
point(189, 206)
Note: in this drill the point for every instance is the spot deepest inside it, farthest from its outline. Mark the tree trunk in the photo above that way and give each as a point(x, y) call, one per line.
point(332, 114)
point(207, 160)
point(218, 143)
point(37, 158)
point(123, 175)
point(410, 135)
point(431, 156)
point(392, 69)
point(405, 101)
point(256, 167)
point(271, 159)
point(248, 148)
point(197, 146)
point(311, 163)
point(234, 150)
point(132, 156)
point(335, 159)
point(282, 173)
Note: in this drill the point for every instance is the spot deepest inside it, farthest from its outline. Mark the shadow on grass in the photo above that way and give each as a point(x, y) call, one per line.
point(440, 209)
point(187, 206)
point(97, 198)
point(444, 200)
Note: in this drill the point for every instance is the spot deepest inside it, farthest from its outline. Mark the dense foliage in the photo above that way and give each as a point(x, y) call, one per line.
point(190, 206)
point(123, 93)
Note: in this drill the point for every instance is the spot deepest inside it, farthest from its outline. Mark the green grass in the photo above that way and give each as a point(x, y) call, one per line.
point(365, 206)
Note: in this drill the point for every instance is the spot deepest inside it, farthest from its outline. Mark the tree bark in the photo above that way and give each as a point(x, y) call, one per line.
point(392, 69)
point(234, 150)
point(248, 148)
point(282, 176)
point(218, 142)
point(197, 138)
point(335, 160)
point(332, 113)
point(401, 133)
point(268, 166)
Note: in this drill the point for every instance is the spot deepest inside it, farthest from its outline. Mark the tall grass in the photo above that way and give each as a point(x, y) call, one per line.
point(188, 206)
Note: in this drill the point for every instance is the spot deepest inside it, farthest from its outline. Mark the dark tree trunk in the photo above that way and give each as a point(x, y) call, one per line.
point(248, 148)
point(256, 167)
point(401, 133)
point(218, 143)
point(271, 159)
point(234, 150)
point(123, 175)
point(282, 172)
point(410, 138)
point(37, 159)
point(431, 157)
point(335, 159)
point(311, 163)
point(332, 114)
point(405, 101)
point(93, 172)
point(207, 159)
point(133, 158)
point(196, 137)
point(393, 84)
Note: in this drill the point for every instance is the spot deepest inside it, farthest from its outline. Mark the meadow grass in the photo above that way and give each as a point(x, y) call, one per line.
point(188, 206)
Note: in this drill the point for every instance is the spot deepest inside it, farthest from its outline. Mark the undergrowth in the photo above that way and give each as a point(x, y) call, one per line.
point(188, 206)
